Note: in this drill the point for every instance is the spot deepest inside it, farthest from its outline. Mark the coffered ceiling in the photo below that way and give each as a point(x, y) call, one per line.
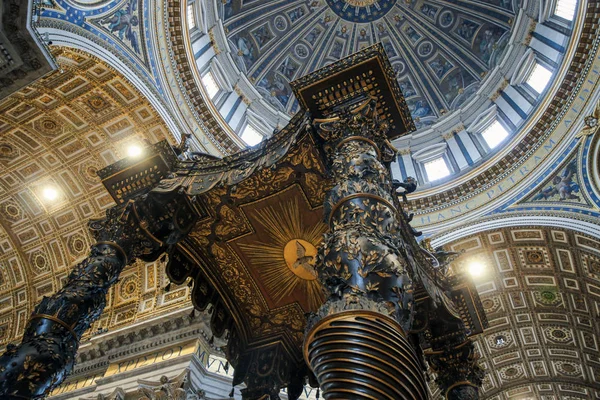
point(56, 134)
point(541, 292)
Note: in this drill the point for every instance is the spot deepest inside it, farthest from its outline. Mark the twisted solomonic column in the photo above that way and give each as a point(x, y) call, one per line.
point(142, 228)
point(459, 376)
point(354, 343)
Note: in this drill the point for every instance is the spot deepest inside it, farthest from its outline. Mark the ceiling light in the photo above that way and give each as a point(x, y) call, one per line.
point(134, 151)
point(476, 269)
point(50, 193)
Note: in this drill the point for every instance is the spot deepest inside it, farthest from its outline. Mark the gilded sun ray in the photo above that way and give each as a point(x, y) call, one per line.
point(286, 261)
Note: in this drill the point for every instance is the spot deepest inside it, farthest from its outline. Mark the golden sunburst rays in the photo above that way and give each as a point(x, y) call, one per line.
point(286, 261)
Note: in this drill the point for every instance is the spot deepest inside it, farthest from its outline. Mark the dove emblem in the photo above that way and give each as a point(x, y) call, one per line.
point(300, 257)
point(303, 260)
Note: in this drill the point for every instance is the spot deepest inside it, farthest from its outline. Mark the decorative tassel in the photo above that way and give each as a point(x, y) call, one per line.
point(212, 340)
point(226, 366)
point(232, 393)
point(318, 394)
point(168, 287)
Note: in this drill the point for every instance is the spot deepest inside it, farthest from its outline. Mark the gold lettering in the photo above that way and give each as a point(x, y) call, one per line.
point(143, 362)
point(169, 354)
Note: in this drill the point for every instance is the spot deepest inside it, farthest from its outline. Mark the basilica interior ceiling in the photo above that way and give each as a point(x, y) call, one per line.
point(58, 133)
point(123, 84)
point(459, 63)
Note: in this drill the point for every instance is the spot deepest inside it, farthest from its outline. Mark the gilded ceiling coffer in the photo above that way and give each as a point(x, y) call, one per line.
point(142, 226)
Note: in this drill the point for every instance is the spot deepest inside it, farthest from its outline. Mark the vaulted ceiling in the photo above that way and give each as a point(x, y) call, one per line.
point(57, 133)
point(441, 51)
point(540, 289)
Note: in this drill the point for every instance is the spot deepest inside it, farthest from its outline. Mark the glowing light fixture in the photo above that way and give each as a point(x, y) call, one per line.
point(50, 193)
point(476, 269)
point(134, 151)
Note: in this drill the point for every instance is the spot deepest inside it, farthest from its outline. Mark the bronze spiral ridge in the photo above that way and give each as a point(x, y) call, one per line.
point(56, 320)
point(360, 354)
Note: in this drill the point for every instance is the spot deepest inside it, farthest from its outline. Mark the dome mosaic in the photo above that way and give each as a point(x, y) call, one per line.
point(441, 51)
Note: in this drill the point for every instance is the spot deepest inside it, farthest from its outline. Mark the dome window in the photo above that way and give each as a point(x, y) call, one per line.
point(251, 136)
point(191, 17)
point(208, 80)
point(565, 9)
point(436, 169)
point(494, 134)
point(539, 78)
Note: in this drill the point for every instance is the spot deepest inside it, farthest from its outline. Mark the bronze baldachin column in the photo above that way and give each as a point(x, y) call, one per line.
point(142, 228)
point(354, 344)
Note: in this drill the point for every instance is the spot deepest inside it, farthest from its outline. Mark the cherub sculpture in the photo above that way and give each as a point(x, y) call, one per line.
point(591, 123)
point(409, 185)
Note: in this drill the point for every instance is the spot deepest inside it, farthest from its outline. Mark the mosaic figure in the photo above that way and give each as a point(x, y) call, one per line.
point(425, 49)
point(455, 83)
point(467, 29)
point(591, 123)
point(288, 68)
point(407, 88)
point(419, 108)
point(277, 90)
point(262, 35)
point(296, 14)
point(412, 34)
point(228, 8)
point(389, 49)
point(122, 23)
point(428, 11)
point(313, 36)
point(280, 23)
point(398, 68)
point(440, 66)
point(336, 50)
point(245, 50)
point(507, 4)
point(562, 186)
point(446, 19)
point(486, 43)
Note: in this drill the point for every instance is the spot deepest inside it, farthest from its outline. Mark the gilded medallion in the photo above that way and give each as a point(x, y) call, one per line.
point(282, 251)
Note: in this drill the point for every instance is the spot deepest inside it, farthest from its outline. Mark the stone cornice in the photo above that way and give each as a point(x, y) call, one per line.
point(101, 350)
point(214, 131)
